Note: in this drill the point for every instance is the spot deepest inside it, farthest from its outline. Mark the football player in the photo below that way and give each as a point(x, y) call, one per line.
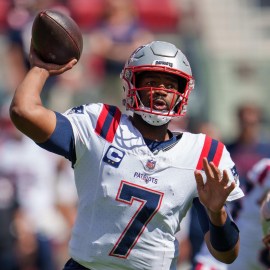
point(135, 179)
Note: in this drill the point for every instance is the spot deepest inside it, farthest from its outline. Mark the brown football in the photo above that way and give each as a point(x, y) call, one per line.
point(56, 37)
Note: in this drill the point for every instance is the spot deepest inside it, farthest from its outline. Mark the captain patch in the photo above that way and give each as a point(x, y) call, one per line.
point(113, 156)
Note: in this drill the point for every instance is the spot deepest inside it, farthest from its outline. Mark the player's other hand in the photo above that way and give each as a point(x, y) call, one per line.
point(53, 69)
point(215, 191)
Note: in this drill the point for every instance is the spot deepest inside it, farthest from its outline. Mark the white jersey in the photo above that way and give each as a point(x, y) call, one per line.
point(35, 172)
point(131, 200)
point(249, 219)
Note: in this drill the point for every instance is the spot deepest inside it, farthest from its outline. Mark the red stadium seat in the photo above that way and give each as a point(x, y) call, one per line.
point(87, 13)
point(158, 15)
point(5, 6)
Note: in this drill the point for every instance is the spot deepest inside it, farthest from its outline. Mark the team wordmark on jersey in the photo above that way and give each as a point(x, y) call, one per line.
point(146, 178)
point(114, 156)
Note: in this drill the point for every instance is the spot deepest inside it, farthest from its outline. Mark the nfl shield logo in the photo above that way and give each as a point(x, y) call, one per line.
point(150, 164)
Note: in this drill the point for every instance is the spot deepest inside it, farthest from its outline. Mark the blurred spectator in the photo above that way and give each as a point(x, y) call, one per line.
point(160, 16)
point(250, 145)
point(265, 221)
point(8, 208)
point(253, 254)
point(86, 13)
point(119, 33)
point(40, 194)
point(20, 20)
point(5, 6)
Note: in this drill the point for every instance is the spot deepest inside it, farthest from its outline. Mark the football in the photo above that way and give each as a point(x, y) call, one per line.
point(56, 37)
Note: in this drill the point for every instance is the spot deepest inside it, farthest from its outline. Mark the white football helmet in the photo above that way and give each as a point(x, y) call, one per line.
point(157, 56)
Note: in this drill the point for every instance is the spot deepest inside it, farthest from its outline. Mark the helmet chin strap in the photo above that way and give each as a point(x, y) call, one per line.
point(154, 119)
point(157, 118)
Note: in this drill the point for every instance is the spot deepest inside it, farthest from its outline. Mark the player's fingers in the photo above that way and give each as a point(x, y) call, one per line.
point(67, 66)
point(230, 188)
point(215, 170)
point(207, 169)
point(199, 179)
point(225, 178)
point(72, 63)
point(55, 69)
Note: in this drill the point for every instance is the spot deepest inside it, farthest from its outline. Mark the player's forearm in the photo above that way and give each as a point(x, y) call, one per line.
point(27, 94)
point(228, 256)
point(218, 218)
point(223, 236)
point(26, 110)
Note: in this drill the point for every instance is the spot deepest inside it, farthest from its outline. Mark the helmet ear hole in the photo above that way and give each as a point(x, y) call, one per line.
point(137, 77)
point(182, 84)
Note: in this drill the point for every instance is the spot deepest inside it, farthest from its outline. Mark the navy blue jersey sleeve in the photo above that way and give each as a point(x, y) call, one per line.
point(204, 220)
point(62, 140)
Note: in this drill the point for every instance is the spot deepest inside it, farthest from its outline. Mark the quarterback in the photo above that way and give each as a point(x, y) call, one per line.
point(135, 178)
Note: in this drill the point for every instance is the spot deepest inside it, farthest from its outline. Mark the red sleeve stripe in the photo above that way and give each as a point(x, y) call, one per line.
point(108, 122)
point(218, 154)
point(212, 150)
point(204, 153)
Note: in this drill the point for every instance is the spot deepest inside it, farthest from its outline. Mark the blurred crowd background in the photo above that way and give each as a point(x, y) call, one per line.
point(228, 46)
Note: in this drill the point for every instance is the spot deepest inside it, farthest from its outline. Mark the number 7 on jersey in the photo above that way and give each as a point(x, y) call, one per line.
point(150, 201)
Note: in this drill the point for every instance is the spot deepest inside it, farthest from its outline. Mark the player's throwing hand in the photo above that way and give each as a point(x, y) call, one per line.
point(53, 69)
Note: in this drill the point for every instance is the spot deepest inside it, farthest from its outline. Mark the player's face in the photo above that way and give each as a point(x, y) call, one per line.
point(160, 89)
